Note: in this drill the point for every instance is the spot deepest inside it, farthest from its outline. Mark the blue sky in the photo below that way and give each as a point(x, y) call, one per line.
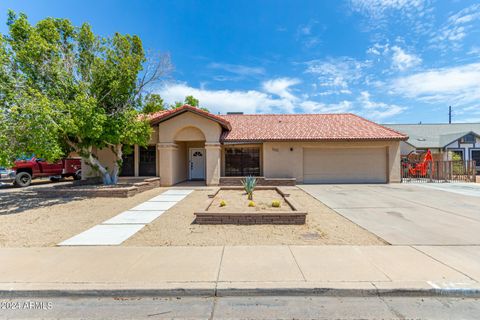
point(392, 61)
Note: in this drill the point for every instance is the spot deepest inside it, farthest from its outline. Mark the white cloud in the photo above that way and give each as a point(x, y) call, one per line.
point(337, 73)
point(456, 28)
point(308, 34)
point(378, 8)
point(417, 14)
point(250, 101)
point(378, 49)
point(281, 87)
point(276, 97)
point(402, 60)
point(377, 110)
point(318, 107)
point(238, 69)
point(474, 50)
point(466, 15)
point(453, 85)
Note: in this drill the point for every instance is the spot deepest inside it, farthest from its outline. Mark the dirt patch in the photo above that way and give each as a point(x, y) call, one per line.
point(29, 220)
point(237, 201)
point(323, 227)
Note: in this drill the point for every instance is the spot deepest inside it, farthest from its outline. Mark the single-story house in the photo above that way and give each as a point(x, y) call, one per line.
point(442, 139)
point(191, 144)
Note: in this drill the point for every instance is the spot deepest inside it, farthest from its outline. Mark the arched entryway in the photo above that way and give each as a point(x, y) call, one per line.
point(189, 148)
point(190, 142)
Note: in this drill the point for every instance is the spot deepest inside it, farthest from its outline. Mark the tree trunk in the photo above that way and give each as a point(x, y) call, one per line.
point(108, 178)
point(97, 166)
point(117, 150)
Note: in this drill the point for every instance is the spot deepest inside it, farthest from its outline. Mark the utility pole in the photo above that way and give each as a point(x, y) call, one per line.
point(449, 114)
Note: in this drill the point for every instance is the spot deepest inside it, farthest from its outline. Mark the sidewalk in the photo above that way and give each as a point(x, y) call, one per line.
point(223, 271)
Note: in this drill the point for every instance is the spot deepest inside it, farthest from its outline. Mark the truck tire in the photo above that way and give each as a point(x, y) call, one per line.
point(23, 179)
point(54, 179)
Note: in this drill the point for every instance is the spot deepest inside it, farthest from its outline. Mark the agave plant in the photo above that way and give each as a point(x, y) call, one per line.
point(249, 184)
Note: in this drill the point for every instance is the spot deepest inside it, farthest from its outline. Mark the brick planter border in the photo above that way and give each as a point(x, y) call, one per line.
point(79, 190)
point(297, 216)
point(261, 181)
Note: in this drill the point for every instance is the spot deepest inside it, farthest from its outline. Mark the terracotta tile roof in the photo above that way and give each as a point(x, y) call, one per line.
point(301, 127)
point(289, 127)
point(167, 114)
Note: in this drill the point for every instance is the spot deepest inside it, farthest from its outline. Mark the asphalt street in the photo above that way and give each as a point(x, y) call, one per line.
point(242, 308)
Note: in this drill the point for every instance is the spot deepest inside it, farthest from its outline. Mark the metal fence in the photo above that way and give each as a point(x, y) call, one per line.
point(439, 171)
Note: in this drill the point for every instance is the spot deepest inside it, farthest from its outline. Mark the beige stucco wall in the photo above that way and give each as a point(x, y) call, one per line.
point(169, 129)
point(281, 162)
point(213, 163)
point(154, 136)
point(176, 136)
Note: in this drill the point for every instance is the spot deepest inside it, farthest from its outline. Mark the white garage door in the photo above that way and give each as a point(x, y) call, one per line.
point(365, 165)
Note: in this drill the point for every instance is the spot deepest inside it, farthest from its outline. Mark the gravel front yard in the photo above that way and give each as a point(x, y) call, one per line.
point(237, 201)
point(323, 227)
point(27, 220)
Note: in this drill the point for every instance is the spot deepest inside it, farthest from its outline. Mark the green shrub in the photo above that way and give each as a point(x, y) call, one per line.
point(251, 204)
point(249, 184)
point(223, 203)
point(276, 203)
point(457, 164)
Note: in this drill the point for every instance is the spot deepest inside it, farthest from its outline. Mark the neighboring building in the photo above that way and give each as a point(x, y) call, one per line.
point(191, 144)
point(442, 139)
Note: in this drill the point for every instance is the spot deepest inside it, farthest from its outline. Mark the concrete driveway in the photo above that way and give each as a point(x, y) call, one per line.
point(407, 214)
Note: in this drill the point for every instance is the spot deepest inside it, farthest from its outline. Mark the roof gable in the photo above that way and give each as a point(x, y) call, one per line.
point(164, 115)
point(435, 135)
point(447, 139)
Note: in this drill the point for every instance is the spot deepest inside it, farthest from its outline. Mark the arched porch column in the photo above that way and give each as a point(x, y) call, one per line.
point(167, 164)
point(213, 157)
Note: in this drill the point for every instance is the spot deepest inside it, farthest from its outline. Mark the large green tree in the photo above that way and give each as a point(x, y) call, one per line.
point(65, 89)
point(152, 103)
point(191, 101)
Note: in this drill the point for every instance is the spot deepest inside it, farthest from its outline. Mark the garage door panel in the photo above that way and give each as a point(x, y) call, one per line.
point(347, 165)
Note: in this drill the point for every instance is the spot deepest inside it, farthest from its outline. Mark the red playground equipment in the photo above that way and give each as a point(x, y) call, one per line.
point(418, 164)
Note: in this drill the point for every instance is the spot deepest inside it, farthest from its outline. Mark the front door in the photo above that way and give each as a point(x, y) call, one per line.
point(197, 163)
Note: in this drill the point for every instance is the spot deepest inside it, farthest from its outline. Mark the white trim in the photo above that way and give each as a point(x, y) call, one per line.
point(471, 156)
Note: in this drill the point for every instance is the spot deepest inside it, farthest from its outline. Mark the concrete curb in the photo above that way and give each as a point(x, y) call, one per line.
point(235, 292)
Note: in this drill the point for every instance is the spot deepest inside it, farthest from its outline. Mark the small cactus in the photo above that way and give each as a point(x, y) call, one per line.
point(276, 203)
point(251, 204)
point(249, 184)
point(223, 203)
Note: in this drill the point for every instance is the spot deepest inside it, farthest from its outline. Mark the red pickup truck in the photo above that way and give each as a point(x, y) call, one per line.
point(30, 168)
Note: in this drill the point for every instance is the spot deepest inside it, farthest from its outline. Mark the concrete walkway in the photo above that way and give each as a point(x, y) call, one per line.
point(116, 230)
point(357, 270)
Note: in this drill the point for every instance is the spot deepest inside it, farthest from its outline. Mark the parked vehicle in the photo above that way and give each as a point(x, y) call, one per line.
point(29, 168)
